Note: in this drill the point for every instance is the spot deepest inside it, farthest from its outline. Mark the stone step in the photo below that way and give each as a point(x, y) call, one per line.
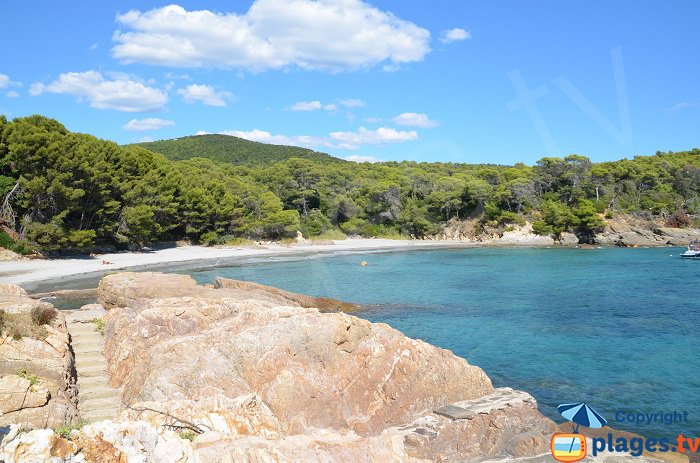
point(87, 359)
point(103, 403)
point(100, 415)
point(99, 369)
point(96, 393)
point(87, 336)
point(88, 382)
point(88, 348)
point(88, 327)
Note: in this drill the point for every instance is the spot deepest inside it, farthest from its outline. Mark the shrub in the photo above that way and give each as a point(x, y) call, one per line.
point(354, 226)
point(678, 219)
point(333, 234)
point(33, 379)
point(188, 435)
point(210, 238)
point(19, 246)
point(3, 320)
point(511, 217)
point(315, 223)
point(99, 325)
point(542, 228)
point(43, 315)
point(66, 430)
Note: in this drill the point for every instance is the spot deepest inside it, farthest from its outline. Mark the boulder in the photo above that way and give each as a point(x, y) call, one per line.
point(568, 239)
point(124, 289)
point(39, 445)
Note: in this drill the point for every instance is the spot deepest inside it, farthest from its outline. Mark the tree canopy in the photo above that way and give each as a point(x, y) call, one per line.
point(60, 190)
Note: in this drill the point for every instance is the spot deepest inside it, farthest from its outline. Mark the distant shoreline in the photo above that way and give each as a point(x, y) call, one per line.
point(33, 273)
point(30, 273)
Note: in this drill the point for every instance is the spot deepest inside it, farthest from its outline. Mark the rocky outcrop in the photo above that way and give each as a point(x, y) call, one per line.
point(104, 442)
point(125, 289)
point(628, 231)
point(247, 289)
point(37, 380)
point(266, 379)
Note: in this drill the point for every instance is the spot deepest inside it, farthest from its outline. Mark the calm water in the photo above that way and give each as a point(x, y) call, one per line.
point(617, 328)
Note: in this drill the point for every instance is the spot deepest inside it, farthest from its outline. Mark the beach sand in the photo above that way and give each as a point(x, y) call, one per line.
point(29, 272)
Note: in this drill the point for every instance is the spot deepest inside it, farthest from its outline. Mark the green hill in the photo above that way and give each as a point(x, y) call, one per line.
point(234, 150)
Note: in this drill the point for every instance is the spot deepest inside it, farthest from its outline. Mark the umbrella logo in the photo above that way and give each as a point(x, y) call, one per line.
point(572, 447)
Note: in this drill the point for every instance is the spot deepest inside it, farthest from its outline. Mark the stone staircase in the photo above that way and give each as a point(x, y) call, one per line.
point(97, 400)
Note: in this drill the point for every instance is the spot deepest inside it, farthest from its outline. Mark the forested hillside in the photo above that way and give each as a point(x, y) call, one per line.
point(67, 190)
point(225, 148)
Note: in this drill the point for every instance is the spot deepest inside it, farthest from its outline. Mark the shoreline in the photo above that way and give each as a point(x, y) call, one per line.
point(32, 274)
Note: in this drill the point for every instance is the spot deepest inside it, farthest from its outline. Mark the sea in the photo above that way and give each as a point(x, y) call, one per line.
point(615, 328)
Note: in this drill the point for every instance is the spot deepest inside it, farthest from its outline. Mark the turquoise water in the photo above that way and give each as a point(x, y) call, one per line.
point(617, 328)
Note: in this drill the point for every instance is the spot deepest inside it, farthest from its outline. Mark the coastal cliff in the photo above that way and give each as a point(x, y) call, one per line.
point(625, 231)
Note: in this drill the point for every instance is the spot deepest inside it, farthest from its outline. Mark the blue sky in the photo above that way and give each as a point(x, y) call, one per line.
point(440, 80)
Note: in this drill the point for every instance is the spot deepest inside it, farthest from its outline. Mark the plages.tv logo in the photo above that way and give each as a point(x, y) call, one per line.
point(569, 447)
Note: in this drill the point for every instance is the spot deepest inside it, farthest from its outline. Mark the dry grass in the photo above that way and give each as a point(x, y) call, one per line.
point(20, 325)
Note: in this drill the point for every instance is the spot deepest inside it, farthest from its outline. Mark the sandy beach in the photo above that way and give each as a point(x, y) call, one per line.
point(32, 271)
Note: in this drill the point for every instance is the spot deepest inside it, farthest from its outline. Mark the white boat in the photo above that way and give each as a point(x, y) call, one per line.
point(693, 251)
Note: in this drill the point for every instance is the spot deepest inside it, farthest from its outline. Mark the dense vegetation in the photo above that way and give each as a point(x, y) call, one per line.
point(234, 150)
point(67, 190)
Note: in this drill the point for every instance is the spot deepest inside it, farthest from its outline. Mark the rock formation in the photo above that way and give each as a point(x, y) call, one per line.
point(37, 381)
point(245, 373)
point(262, 375)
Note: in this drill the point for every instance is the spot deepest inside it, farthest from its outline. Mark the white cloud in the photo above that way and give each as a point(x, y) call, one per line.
point(414, 120)
point(173, 76)
point(358, 158)
point(352, 103)
point(122, 93)
point(312, 106)
point(454, 35)
point(332, 35)
point(205, 94)
point(12, 94)
point(379, 136)
point(151, 123)
point(6, 82)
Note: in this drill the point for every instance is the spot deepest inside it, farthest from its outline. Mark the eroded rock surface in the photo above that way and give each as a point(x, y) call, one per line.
point(267, 379)
point(37, 381)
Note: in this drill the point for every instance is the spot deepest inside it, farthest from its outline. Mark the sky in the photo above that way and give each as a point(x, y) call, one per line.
point(425, 80)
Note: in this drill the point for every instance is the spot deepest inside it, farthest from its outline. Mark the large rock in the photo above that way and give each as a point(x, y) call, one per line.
point(311, 369)
point(37, 375)
point(124, 289)
point(247, 289)
point(272, 382)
